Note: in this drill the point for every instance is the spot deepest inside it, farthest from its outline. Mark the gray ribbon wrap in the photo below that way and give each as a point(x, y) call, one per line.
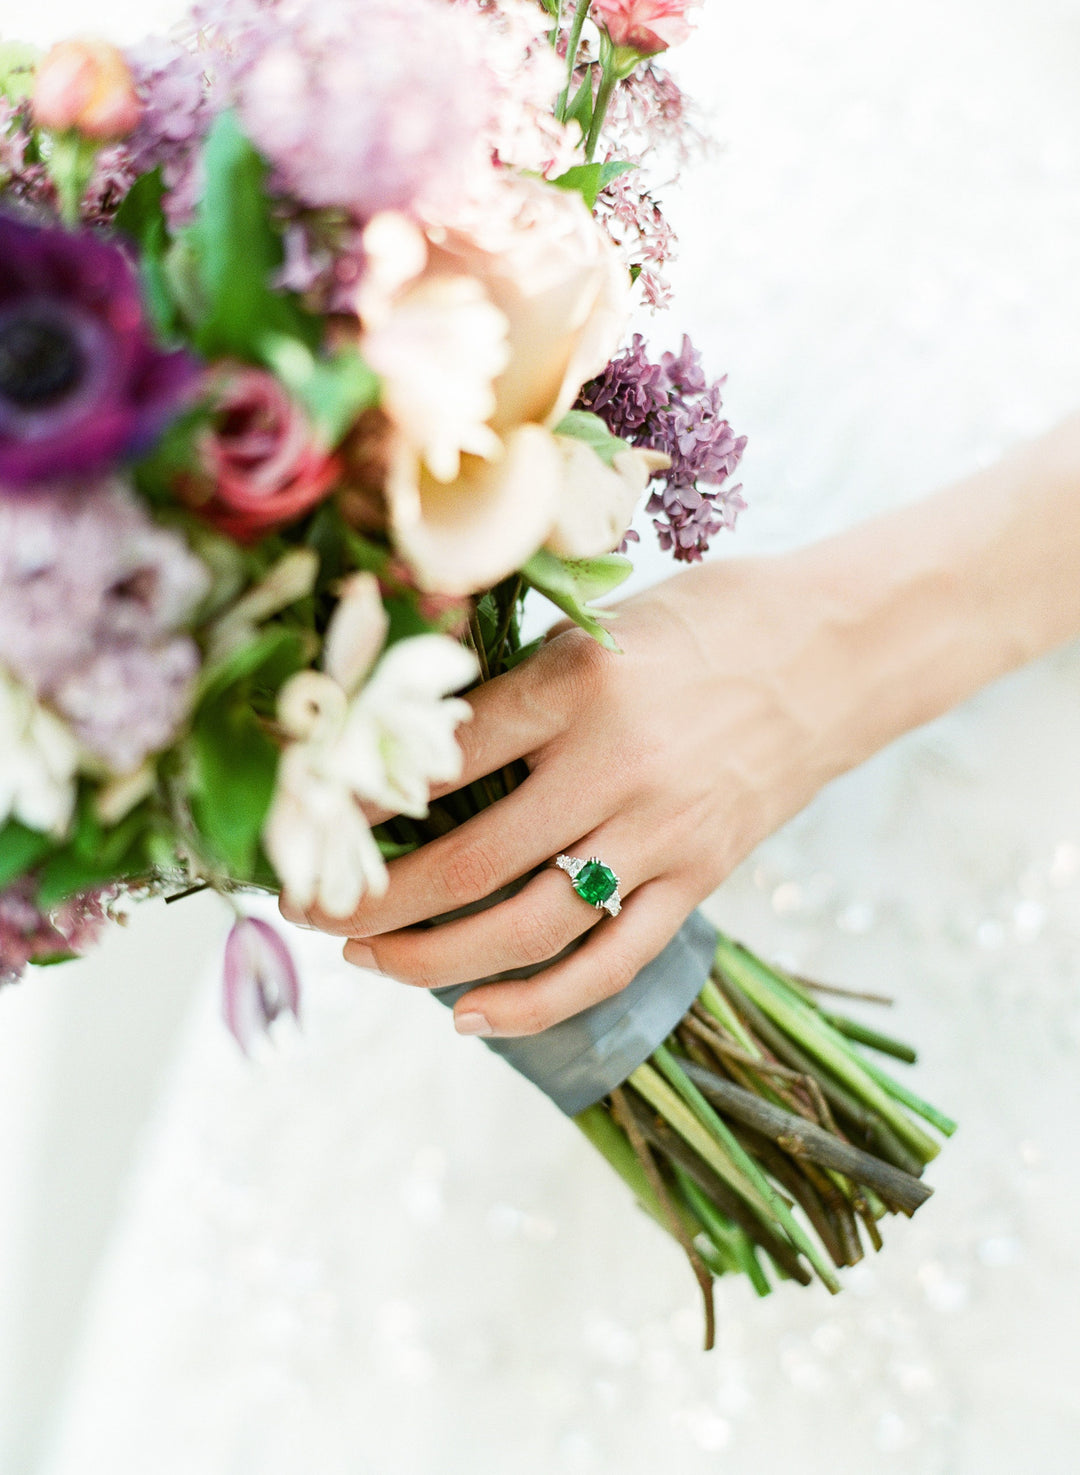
point(578, 1062)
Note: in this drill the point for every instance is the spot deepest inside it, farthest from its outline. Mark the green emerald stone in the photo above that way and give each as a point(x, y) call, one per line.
point(594, 883)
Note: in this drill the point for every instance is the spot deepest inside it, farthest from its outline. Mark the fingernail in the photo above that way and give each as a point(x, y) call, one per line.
point(361, 955)
point(472, 1024)
point(293, 913)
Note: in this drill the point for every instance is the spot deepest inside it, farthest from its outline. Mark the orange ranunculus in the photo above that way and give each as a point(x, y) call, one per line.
point(85, 87)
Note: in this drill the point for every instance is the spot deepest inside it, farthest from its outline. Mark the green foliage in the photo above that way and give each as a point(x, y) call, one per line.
point(233, 768)
point(571, 584)
point(585, 426)
point(405, 618)
point(20, 850)
point(236, 249)
point(580, 108)
point(265, 662)
point(95, 855)
point(365, 555)
point(17, 64)
point(590, 180)
point(334, 391)
point(141, 217)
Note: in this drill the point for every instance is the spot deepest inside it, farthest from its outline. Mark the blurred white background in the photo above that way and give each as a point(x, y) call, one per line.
point(376, 1251)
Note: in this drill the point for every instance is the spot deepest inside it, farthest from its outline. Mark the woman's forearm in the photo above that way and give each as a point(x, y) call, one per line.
point(895, 621)
point(932, 602)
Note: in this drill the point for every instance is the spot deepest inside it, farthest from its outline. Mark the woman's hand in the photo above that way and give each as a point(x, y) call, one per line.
point(670, 762)
point(745, 686)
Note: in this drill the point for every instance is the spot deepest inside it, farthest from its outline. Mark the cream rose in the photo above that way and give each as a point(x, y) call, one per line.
point(548, 297)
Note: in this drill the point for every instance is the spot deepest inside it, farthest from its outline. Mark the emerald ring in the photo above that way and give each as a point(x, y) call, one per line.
point(593, 881)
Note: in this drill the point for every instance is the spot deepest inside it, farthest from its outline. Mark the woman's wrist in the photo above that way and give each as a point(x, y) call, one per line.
point(919, 609)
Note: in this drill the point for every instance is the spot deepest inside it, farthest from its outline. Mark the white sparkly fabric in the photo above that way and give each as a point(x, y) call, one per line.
point(376, 1251)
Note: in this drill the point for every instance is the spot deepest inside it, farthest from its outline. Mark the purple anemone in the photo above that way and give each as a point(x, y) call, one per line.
point(82, 382)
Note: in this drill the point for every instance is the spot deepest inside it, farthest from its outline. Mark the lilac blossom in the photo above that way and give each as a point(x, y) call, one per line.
point(29, 935)
point(20, 178)
point(637, 225)
point(82, 382)
point(261, 980)
point(93, 600)
point(358, 105)
point(672, 407)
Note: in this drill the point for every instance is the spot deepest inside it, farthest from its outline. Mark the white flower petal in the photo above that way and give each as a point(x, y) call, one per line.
point(438, 353)
point(598, 501)
point(39, 761)
point(357, 631)
point(466, 535)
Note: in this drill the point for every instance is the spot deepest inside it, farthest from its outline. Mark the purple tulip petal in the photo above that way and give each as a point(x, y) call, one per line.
point(261, 980)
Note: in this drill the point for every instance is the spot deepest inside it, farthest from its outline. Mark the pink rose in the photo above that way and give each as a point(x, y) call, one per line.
point(643, 26)
point(85, 86)
point(262, 462)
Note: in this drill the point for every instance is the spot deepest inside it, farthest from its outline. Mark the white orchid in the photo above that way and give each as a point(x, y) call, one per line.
point(39, 761)
point(380, 741)
point(401, 727)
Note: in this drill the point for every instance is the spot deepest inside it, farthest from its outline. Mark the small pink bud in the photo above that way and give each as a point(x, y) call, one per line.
point(643, 26)
point(85, 87)
point(261, 981)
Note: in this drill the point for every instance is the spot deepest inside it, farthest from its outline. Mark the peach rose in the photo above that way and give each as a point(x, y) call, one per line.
point(547, 298)
point(86, 87)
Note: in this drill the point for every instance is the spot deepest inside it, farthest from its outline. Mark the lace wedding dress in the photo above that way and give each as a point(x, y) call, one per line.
point(375, 1251)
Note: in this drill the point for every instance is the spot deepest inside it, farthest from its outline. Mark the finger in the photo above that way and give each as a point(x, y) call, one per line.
point(517, 714)
point(616, 950)
point(528, 929)
point(497, 847)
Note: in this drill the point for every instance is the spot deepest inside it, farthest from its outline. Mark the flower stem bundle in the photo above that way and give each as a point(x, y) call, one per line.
point(763, 1137)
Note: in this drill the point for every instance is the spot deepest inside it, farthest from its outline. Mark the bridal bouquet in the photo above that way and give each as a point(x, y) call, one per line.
point(313, 362)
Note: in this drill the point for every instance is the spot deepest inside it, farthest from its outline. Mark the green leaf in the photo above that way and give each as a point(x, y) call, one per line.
point(17, 64)
point(272, 657)
point(515, 657)
point(334, 391)
point(585, 426)
point(405, 618)
point(366, 556)
point(236, 248)
point(580, 107)
point(590, 180)
point(141, 217)
point(234, 766)
point(94, 855)
point(20, 850)
point(571, 583)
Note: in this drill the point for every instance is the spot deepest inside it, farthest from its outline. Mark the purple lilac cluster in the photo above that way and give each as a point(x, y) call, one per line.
point(93, 596)
point(28, 935)
point(672, 407)
point(20, 178)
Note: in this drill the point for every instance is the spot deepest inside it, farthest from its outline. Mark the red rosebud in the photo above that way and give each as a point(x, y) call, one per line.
point(262, 462)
